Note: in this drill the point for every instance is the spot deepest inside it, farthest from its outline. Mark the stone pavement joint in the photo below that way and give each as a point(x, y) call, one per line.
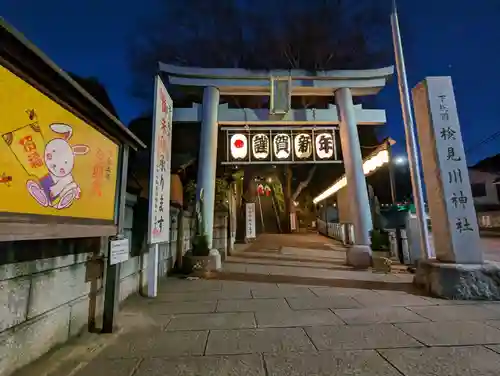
point(269, 337)
point(294, 325)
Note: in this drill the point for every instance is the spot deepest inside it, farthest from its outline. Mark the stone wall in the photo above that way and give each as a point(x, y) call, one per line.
point(44, 302)
point(220, 236)
point(51, 290)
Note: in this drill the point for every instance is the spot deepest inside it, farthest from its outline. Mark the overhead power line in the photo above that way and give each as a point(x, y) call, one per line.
point(485, 141)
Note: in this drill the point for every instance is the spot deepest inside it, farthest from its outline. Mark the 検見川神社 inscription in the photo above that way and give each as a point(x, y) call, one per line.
point(453, 216)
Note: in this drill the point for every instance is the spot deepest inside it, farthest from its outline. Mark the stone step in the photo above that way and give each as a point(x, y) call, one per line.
point(288, 262)
point(403, 284)
point(277, 256)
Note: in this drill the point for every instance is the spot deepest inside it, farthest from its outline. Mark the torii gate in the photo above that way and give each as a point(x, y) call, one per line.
point(343, 85)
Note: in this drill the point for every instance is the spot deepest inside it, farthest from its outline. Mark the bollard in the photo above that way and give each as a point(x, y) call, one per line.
point(405, 249)
point(392, 242)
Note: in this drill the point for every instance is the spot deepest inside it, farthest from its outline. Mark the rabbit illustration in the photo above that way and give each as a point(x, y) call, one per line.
point(58, 188)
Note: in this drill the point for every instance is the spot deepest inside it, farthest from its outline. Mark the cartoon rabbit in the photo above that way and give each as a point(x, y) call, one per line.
point(58, 189)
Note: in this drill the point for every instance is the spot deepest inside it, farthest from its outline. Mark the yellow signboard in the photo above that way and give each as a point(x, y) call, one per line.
point(51, 162)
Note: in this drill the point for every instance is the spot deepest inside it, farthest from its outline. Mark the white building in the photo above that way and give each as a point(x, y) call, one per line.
point(485, 184)
point(485, 187)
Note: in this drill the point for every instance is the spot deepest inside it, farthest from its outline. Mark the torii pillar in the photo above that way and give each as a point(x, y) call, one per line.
point(207, 159)
point(360, 254)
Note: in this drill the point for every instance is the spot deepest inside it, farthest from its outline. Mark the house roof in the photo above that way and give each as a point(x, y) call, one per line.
point(490, 164)
point(24, 59)
point(97, 90)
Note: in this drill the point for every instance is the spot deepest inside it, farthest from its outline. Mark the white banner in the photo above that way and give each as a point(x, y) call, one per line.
point(293, 221)
point(250, 220)
point(159, 177)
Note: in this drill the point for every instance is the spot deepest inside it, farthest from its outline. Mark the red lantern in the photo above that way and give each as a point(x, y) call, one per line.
point(268, 191)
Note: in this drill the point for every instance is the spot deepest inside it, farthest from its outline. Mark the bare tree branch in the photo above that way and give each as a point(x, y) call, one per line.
point(263, 35)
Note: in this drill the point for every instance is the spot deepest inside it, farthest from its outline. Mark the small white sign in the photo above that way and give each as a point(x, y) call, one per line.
point(119, 251)
point(293, 221)
point(250, 220)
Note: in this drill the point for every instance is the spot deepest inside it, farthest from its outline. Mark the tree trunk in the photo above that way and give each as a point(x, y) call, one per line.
point(288, 198)
point(303, 184)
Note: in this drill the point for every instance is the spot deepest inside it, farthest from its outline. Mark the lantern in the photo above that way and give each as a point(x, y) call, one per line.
point(281, 145)
point(260, 146)
point(303, 145)
point(324, 145)
point(239, 146)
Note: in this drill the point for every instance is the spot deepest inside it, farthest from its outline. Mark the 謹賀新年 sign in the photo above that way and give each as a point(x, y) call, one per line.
point(276, 145)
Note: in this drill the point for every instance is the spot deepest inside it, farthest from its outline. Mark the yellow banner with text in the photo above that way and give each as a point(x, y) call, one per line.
point(51, 161)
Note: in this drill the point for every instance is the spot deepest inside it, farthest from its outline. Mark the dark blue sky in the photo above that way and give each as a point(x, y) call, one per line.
point(445, 37)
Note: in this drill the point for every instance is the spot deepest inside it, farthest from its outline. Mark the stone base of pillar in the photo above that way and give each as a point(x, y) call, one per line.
point(459, 281)
point(359, 256)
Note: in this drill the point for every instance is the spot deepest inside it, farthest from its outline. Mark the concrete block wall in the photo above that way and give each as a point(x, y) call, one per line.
point(45, 302)
point(42, 304)
point(189, 229)
point(220, 233)
point(168, 251)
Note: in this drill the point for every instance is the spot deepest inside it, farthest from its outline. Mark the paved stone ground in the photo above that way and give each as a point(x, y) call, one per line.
point(295, 326)
point(307, 259)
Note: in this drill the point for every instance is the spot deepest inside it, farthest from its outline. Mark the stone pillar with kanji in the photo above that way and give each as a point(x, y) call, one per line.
point(458, 271)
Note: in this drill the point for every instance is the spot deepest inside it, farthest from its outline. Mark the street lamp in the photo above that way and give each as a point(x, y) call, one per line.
point(395, 161)
point(400, 161)
point(389, 142)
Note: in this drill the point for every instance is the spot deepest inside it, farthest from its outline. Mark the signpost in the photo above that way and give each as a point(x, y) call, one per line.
point(112, 286)
point(159, 181)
